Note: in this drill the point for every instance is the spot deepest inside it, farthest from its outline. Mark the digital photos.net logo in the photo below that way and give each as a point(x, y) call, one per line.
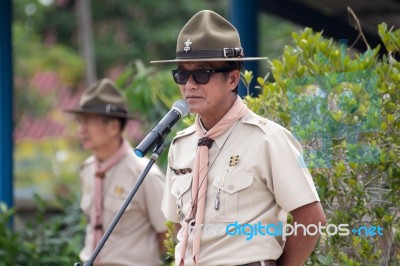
point(249, 231)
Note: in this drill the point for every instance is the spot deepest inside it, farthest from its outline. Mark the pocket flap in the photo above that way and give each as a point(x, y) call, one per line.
point(181, 185)
point(234, 182)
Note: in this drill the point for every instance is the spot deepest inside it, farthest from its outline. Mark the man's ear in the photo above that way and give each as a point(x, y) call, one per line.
point(234, 78)
point(114, 126)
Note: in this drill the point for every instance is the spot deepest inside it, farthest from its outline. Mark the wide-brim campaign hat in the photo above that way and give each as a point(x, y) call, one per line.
point(102, 98)
point(207, 36)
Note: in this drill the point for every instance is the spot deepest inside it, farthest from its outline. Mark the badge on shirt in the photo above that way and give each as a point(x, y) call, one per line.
point(181, 171)
point(119, 191)
point(234, 160)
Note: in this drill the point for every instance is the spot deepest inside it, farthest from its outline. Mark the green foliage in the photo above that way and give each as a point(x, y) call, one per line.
point(48, 167)
point(35, 58)
point(44, 241)
point(121, 29)
point(45, 57)
point(9, 240)
point(169, 243)
point(390, 38)
point(274, 33)
point(344, 109)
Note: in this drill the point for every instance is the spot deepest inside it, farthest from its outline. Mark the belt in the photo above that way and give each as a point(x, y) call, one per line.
point(261, 263)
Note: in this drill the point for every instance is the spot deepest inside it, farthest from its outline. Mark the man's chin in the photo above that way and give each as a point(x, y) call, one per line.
point(86, 146)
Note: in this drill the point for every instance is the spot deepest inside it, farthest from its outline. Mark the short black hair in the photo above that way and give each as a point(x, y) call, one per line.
point(121, 120)
point(234, 65)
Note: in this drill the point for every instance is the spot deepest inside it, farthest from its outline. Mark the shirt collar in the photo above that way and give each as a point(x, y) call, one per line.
point(123, 149)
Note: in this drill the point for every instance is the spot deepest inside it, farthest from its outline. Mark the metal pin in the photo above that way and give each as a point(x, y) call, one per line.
point(181, 216)
point(217, 200)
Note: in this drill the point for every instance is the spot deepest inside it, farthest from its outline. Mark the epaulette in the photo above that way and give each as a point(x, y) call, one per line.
point(186, 132)
point(269, 127)
point(258, 121)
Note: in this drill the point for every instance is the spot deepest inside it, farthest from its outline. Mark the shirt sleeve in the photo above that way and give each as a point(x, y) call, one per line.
point(153, 189)
point(168, 205)
point(289, 178)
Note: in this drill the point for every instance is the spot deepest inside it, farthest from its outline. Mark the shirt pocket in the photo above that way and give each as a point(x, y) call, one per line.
point(181, 191)
point(112, 204)
point(235, 196)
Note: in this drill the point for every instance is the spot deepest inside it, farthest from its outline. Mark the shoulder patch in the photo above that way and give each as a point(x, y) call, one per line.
point(256, 120)
point(267, 126)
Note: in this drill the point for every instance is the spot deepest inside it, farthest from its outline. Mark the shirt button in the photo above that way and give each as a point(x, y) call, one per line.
point(231, 187)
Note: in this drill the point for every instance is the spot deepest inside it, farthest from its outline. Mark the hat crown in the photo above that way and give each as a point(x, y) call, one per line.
point(102, 98)
point(207, 30)
point(207, 36)
point(102, 93)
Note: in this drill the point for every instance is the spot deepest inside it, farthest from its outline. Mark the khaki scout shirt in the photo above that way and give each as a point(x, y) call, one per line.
point(256, 166)
point(134, 239)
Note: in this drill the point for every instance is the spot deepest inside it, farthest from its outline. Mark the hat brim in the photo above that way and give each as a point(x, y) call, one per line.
point(209, 60)
point(78, 111)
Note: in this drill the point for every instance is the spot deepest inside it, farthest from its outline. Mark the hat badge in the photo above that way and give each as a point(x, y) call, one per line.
point(187, 45)
point(110, 108)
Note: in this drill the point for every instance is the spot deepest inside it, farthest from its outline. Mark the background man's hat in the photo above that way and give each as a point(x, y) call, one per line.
point(208, 37)
point(102, 98)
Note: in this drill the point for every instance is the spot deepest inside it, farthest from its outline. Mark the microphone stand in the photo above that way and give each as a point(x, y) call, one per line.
point(156, 153)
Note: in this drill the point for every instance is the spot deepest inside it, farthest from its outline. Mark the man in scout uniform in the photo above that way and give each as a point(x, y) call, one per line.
point(232, 169)
point(107, 178)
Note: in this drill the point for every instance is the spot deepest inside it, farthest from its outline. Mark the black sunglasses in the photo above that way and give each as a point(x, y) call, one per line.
point(200, 76)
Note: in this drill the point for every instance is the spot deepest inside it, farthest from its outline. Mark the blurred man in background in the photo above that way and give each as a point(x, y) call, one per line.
point(107, 178)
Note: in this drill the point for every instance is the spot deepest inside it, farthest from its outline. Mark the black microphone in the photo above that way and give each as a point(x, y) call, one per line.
point(179, 109)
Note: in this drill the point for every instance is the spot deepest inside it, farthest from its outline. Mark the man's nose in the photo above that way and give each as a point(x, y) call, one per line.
point(191, 84)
